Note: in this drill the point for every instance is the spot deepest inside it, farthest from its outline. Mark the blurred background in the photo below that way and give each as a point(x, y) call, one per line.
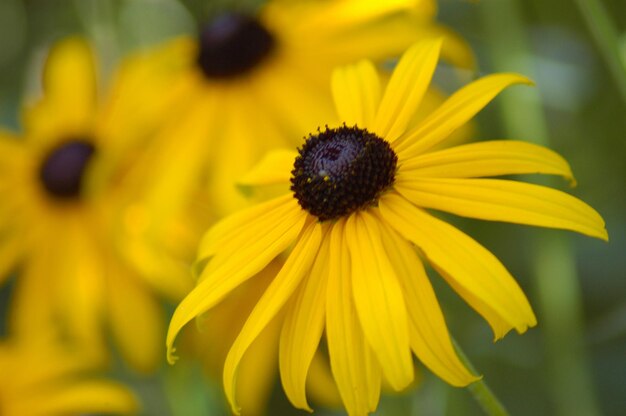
point(574, 361)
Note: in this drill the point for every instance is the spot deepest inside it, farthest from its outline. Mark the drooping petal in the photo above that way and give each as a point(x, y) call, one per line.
point(352, 362)
point(258, 369)
point(234, 225)
point(427, 327)
point(378, 299)
point(258, 236)
point(406, 88)
point(302, 329)
point(504, 200)
point(453, 113)
point(296, 267)
point(356, 92)
point(274, 168)
point(463, 260)
point(491, 158)
point(231, 271)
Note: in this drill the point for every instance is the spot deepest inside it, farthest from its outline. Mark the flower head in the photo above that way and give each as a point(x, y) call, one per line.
point(357, 232)
point(63, 186)
point(256, 81)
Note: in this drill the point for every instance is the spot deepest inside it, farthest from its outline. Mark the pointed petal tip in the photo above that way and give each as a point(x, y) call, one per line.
point(474, 379)
point(470, 379)
point(521, 79)
point(605, 235)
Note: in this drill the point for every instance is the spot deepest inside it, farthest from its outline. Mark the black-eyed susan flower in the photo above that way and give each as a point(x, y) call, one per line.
point(62, 187)
point(252, 82)
point(356, 229)
point(42, 379)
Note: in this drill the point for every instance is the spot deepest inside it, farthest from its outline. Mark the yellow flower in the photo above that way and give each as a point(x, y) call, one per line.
point(61, 184)
point(356, 232)
point(256, 83)
point(41, 379)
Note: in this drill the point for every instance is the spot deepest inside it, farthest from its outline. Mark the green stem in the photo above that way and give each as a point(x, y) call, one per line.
point(607, 38)
point(480, 390)
point(554, 272)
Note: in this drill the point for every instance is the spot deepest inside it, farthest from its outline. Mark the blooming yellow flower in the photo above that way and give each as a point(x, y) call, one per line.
point(255, 83)
point(356, 230)
point(41, 379)
point(60, 185)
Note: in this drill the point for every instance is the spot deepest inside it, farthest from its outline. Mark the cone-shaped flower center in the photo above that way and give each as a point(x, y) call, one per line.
point(342, 170)
point(62, 171)
point(232, 44)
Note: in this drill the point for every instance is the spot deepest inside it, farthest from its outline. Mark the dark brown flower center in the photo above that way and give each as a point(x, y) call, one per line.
point(233, 44)
point(62, 170)
point(342, 170)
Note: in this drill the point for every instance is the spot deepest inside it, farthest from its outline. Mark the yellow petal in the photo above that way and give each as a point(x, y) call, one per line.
point(10, 251)
point(504, 200)
point(465, 261)
point(136, 321)
point(34, 297)
point(257, 370)
point(297, 265)
point(69, 82)
point(146, 89)
point(81, 290)
point(320, 384)
point(253, 138)
point(356, 91)
point(81, 398)
point(454, 112)
point(276, 88)
point(428, 331)
point(233, 269)
point(352, 362)
point(491, 158)
point(12, 149)
point(173, 185)
point(274, 168)
point(405, 90)
point(302, 329)
point(258, 236)
point(455, 49)
point(236, 224)
point(328, 17)
point(378, 299)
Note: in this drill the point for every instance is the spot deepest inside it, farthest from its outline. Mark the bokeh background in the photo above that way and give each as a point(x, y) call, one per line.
point(574, 361)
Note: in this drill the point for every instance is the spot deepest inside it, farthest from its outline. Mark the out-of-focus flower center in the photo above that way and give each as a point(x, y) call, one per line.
point(62, 170)
point(232, 44)
point(342, 170)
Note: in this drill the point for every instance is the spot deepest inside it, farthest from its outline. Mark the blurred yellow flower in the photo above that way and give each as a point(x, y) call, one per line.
point(41, 379)
point(250, 84)
point(352, 224)
point(61, 184)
